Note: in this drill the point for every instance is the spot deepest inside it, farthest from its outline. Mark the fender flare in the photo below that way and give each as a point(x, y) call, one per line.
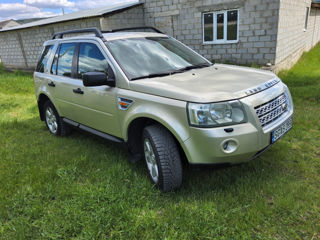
point(45, 93)
point(176, 129)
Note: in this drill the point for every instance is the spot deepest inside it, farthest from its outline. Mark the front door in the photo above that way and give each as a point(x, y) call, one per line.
point(98, 105)
point(64, 81)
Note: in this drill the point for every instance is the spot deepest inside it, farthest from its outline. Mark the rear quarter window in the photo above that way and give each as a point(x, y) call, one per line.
point(42, 63)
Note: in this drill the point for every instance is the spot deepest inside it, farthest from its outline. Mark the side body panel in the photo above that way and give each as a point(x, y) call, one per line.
point(170, 113)
point(96, 107)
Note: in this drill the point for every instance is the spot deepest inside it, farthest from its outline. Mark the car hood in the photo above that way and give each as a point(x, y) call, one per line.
point(217, 83)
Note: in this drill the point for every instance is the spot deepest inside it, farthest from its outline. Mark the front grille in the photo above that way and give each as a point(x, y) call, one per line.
point(270, 111)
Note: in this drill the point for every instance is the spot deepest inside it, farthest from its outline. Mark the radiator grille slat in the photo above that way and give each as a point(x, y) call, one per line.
point(272, 110)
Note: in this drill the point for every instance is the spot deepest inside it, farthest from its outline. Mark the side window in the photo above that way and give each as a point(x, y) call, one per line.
point(64, 63)
point(44, 58)
point(91, 60)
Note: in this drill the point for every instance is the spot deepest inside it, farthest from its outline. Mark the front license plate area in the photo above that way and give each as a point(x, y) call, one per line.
point(281, 130)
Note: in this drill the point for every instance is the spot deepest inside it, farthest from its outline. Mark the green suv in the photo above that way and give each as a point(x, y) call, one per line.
point(159, 97)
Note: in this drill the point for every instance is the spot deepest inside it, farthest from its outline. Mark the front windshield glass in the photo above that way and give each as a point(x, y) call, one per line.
point(143, 57)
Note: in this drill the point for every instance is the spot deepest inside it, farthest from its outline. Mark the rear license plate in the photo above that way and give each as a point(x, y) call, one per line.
point(281, 130)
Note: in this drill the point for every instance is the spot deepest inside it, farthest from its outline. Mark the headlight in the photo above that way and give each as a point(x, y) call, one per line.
point(216, 114)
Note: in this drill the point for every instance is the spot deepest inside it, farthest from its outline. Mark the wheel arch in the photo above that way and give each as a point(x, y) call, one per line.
point(42, 99)
point(134, 130)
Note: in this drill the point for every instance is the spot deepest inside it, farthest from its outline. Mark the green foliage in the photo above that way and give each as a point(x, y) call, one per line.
point(82, 187)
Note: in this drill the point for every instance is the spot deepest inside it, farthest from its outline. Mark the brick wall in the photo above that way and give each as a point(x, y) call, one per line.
point(20, 49)
point(133, 17)
point(10, 50)
point(257, 29)
point(269, 31)
point(293, 39)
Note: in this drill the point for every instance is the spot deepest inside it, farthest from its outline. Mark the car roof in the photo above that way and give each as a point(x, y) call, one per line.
point(110, 36)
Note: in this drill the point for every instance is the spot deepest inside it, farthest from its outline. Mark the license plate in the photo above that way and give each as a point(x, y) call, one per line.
point(281, 130)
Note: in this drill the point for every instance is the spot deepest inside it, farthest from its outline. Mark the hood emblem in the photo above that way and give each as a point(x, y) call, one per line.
point(262, 87)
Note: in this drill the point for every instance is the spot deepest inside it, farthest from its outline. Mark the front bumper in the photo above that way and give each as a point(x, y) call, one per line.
point(205, 146)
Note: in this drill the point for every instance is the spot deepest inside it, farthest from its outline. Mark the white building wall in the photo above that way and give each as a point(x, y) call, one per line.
point(10, 50)
point(20, 49)
point(257, 28)
point(269, 31)
point(133, 17)
point(293, 39)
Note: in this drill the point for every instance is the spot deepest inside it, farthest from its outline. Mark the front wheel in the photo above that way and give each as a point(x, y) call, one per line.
point(162, 158)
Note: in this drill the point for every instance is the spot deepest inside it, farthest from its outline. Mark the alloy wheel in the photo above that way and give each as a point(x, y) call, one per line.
point(151, 161)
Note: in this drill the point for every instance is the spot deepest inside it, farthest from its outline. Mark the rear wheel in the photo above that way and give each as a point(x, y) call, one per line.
point(162, 158)
point(53, 121)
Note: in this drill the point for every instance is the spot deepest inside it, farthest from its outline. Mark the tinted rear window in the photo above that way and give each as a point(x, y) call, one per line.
point(44, 58)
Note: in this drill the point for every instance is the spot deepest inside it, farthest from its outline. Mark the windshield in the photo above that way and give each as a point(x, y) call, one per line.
point(154, 56)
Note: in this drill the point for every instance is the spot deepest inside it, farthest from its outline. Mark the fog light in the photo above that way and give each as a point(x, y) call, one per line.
point(229, 145)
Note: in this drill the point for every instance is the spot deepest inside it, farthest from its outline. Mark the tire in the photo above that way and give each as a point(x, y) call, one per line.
point(163, 160)
point(54, 123)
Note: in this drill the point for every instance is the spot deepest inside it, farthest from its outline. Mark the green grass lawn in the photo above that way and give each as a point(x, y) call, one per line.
point(83, 187)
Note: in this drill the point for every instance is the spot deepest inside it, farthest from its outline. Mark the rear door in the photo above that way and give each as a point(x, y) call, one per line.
point(41, 76)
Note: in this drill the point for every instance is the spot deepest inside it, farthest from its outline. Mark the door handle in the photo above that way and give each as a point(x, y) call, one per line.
point(78, 91)
point(51, 84)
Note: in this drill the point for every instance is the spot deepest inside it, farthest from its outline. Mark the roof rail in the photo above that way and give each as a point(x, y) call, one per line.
point(96, 31)
point(133, 28)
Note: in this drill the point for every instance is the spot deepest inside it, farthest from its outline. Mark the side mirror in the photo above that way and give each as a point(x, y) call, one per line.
point(94, 79)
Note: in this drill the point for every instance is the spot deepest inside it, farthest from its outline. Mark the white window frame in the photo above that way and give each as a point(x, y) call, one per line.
point(225, 37)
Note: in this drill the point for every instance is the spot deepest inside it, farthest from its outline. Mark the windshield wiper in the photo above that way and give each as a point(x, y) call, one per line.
point(153, 75)
point(195, 67)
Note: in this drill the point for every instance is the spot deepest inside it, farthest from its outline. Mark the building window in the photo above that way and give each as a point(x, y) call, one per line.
point(221, 27)
point(307, 18)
